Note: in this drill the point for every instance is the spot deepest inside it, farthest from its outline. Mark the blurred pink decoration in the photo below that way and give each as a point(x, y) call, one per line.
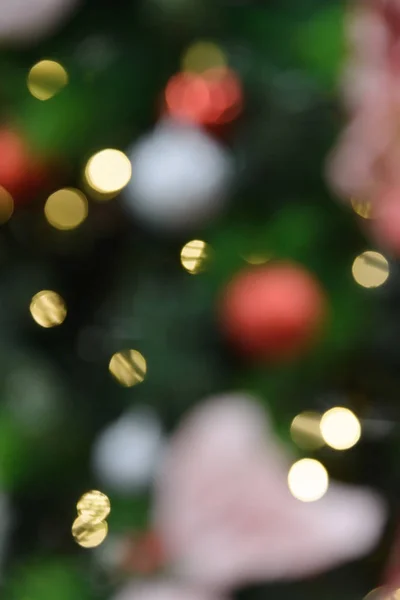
point(226, 516)
point(162, 589)
point(26, 21)
point(366, 162)
point(386, 223)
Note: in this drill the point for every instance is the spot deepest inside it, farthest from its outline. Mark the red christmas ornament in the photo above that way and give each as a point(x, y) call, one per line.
point(21, 173)
point(273, 312)
point(212, 98)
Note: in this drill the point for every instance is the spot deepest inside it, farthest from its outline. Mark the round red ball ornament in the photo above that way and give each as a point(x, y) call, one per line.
point(273, 312)
point(21, 173)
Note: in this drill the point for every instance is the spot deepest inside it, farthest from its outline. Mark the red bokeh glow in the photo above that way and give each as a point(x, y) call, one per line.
point(212, 98)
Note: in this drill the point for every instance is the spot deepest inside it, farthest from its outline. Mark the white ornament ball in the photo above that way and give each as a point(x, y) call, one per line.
point(125, 455)
point(180, 177)
point(26, 21)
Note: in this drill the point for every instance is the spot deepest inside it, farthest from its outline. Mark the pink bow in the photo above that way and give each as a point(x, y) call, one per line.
point(226, 516)
point(367, 158)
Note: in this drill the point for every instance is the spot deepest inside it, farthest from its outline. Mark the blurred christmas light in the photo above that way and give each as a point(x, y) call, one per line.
point(202, 56)
point(340, 428)
point(6, 206)
point(66, 209)
point(89, 534)
point(305, 430)
point(94, 506)
point(308, 480)
point(128, 367)
point(213, 98)
point(108, 171)
point(370, 269)
point(362, 209)
point(48, 309)
point(46, 78)
point(194, 256)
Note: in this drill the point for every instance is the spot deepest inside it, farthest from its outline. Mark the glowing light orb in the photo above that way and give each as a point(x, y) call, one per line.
point(194, 256)
point(88, 534)
point(370, 269)
point(129, 367)
point(48, 309)
point(94, 506)
point(66, 209)
point(108, 171)
point(305, 430)
point(308, 480)
point(46, 79)
point(340, 428)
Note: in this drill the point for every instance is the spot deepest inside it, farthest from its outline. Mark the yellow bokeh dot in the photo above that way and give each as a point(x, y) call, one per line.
point(362, 209)
point(108, 171)
point(370, 269)
point(66, 209)
point(88, 534)
point(46, 79)
point(308, 480)
point(129, 367)
point(305, 430)
point(6, 206)
point(48, 309)
point(195, 256)
point(202, 56)
point(94, 506)
point(340, 428)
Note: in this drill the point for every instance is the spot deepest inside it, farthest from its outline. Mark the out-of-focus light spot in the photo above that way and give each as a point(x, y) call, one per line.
point(256, 259)
point(89, 534)
point(128, 367)
point(362, 209)
point(370, 269)
point(46, 79)
point(108, 171)
point(202, 56)
point(94, 506)
point(382, 593)
point(48, 309)
point(194, 256)
point(66, 209)
point(213, 98)
point(340, 428)
point(6, 206)
point(308, 480)
point(305, 430)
